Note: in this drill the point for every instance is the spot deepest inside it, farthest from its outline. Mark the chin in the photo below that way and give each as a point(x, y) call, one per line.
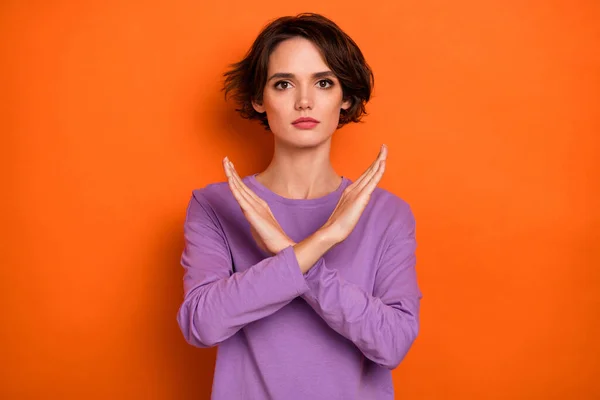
point(305, 139)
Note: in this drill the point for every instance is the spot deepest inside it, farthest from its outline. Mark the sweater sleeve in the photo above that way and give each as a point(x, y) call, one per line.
point(384, 325)
point(218, 302)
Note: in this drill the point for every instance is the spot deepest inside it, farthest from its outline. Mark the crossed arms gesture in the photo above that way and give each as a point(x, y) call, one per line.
point(269, 235)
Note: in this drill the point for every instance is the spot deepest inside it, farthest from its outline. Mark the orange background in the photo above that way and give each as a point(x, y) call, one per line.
point(111, 114)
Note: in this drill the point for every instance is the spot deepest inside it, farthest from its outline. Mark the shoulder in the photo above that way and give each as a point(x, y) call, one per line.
point(383, 198)
point(392, 211)
point(212, 193)
point(206, 200)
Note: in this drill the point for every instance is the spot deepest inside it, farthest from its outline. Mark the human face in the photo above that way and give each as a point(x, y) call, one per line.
point(300, 84)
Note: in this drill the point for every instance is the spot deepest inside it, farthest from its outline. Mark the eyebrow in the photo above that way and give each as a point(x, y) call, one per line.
point(323, 74)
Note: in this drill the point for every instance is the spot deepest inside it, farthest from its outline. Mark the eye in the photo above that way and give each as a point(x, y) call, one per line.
point(281, 85)
point(325, 83)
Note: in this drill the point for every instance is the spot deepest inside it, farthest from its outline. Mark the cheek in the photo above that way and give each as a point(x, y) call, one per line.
point(334, 105)
point(335, 101)
point(277, 107)
point(276, 112)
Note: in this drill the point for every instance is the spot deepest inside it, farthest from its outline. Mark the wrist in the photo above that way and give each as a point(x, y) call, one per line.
point(326, 237)
point(309, 250)
point(285, 244)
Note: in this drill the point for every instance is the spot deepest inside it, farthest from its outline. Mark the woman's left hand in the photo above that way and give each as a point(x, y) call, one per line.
point(264, 228)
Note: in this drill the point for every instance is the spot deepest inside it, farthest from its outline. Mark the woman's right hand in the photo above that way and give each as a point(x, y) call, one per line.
point(354, 200)
point(264, 228)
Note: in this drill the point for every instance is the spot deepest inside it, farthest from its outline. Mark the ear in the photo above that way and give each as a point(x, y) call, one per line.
point(346, 104)
point(259, 108)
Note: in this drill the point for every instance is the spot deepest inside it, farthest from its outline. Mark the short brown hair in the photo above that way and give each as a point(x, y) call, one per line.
point(245, 80)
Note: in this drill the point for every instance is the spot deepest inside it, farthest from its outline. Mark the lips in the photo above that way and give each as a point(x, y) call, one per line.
point(305, 119)
point(305, 123)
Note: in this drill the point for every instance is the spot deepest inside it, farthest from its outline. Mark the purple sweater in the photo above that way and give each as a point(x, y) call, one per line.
point(335, 332)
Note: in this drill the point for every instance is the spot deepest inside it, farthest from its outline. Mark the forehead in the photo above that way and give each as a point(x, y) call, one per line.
point(298, 56)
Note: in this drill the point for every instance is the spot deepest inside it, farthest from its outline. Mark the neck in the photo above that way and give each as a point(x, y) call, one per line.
point(300, 173)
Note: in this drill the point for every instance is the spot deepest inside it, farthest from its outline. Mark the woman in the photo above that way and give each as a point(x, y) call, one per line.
point(305, 279)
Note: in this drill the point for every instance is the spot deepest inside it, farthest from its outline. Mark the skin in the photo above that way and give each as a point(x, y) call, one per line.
point(301, 167)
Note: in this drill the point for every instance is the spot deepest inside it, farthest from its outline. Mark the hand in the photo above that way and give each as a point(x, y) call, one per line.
point(264, 228)
point(354, 199)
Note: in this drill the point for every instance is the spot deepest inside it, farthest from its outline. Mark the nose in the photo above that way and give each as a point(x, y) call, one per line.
point(304, 100)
